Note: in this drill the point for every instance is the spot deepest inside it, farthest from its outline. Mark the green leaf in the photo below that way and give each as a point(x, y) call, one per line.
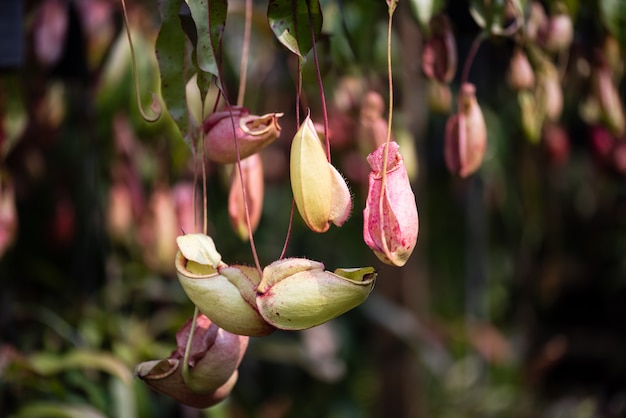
point(424, 10)
point(203, 82)
point(210, 19)
point(491, 16)
point(488, 15)
point(58, 410)
point(49, 364)
point(171, 52)
point(614, 18)
point(289, 20)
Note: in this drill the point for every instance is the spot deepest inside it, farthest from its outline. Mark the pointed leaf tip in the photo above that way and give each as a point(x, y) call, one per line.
point(290, 23)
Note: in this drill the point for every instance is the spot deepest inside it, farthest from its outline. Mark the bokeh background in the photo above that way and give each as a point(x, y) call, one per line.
point(513, 304)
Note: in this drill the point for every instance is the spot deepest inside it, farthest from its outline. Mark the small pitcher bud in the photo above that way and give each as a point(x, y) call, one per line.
point(608, 99)
point(601, 142)
point(531, 119)
point(466, 135)
point(252, 170)
point(549, 92)
point(556, 142)
point(613, 56)
point(320, 192)
point(390, 229)
point(297, 293)
point(188, 217)
point(214, 358)
point(559, 31)
point(50, 31)
point(439, 97)
point(119, 217)
point(439, 52)
point(536, 22)
point(253, 133)
point(521, 75)
point(159, 230)
point(8, 214)
point(372, 126)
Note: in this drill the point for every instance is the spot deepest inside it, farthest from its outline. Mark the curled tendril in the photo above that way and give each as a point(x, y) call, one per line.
point(155, 106)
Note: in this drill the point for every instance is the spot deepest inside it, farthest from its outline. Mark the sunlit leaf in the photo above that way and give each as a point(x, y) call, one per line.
point(210, 19)
point(173, 65)
point(291, 23)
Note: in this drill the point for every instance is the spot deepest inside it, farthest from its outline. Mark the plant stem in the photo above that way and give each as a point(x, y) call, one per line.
point(470, 57)
point(293, 202)
point(188, 346)
point(383, 182)
point(244, 193)
point(222, 88)
point(245, 52)
point(319, 81)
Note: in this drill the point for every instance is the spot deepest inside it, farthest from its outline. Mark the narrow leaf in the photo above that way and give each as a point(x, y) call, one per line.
point(49, 364)
point(171, 55)
point(289, 20)
point(210, 19)
point(490, 15)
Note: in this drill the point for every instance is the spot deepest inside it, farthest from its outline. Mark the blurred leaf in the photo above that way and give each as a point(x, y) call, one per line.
point(49, 364)
point(125, 404)
point(483, 14)
point(173, 64)
point(572, 7)
point(210, 19)
point(614, 17)
point(424, 10)
point(289, 21)
point(13, 117)
point(57, 410)
point(492, 16)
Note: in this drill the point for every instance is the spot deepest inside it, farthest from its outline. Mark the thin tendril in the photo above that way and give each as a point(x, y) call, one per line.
point(188, 346)
point(298, 91)
point(245, 52)
point(222, 88)
point(243, 190)
point(460, 98)
point(383, 183)
point(205, 206)
point(156, 104)
point(319, 82)
point(195, 188)
point(293, 202)
point(470, 57)
point(286, 244)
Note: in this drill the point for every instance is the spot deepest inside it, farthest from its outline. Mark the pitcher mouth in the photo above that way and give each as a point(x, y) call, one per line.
point(181, 267)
